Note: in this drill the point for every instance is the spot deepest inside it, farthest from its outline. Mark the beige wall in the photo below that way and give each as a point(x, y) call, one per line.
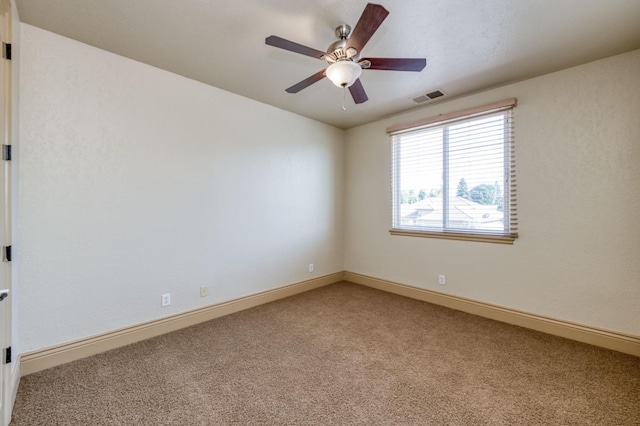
point(578, 166)
point(136, 182)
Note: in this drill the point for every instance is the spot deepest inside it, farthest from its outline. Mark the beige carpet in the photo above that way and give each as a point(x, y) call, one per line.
point(341, 355)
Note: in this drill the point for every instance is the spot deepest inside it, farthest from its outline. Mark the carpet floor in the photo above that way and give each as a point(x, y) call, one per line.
point(340, 355)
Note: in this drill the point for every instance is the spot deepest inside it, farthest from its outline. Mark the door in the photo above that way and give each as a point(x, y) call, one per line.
point(6, 391)
point(5, 368)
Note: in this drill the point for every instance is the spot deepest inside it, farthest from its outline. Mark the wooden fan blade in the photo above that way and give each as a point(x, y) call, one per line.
point(306, 82)
point(368, 23)
point(396, 64)
point(282, 43)
point(357, 92)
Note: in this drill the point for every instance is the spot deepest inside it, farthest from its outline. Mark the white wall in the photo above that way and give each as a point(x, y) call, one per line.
point(578, 169)
point(136, 182)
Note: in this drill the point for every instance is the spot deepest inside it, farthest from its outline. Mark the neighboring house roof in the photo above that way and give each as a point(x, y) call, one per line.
point(462, 211)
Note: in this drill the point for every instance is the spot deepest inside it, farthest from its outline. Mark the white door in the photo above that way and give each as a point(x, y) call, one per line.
point(5, 216)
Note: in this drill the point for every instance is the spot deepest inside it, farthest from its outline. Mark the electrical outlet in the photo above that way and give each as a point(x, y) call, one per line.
point(311, 267)
point(204, 291)
point(166, 299)
point(441, 280)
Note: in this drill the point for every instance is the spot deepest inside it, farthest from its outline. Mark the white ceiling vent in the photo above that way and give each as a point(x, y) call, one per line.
point(428, 97)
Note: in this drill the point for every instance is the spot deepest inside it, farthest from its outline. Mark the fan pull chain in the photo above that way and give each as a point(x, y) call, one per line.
point(344, 97)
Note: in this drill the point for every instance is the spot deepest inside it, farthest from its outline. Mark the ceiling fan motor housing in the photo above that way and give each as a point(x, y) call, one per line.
point(338, 50)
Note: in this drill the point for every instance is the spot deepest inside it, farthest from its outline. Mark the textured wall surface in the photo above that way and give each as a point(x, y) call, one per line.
point(136, 182)
point(578, 170)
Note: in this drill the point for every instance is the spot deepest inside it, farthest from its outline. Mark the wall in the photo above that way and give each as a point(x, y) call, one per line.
point(136, 182)
point(578, 156)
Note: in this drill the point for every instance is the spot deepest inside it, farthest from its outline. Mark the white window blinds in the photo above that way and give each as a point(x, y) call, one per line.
point(455, 174)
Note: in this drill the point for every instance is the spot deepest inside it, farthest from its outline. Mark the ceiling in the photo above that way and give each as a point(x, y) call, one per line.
point(470, 45)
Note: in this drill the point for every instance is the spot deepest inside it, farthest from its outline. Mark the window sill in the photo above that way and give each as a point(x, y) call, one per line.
point(496, 239)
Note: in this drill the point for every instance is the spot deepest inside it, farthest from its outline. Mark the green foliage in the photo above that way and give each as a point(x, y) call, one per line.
point(463, 189)
point(435, 192)
point(408, 197)
point(499, 197)
point(485, 194)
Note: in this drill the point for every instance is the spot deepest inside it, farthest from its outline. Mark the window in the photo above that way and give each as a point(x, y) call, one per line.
point(453, 176)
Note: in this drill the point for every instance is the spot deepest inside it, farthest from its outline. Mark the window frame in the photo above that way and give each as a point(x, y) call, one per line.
point(509, 161)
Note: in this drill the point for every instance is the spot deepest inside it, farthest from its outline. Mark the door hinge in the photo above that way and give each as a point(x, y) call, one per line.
point(6, 152)
point(7, 355)
point(6, 253)
point(6, 51)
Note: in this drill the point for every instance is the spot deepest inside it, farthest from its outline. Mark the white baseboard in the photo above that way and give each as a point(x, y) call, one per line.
point(582, 333)
point(42, 359)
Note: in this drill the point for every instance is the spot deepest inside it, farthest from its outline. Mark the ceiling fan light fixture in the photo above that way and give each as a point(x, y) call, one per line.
point(343, 73)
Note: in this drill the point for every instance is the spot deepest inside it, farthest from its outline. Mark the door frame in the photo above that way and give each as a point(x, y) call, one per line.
point(7, 369)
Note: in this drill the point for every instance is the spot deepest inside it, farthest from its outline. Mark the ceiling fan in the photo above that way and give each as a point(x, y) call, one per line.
point(344, 56)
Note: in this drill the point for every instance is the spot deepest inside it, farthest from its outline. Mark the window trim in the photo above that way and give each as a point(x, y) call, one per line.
point(443, 119)
point(460, 236)
point(451, 116)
